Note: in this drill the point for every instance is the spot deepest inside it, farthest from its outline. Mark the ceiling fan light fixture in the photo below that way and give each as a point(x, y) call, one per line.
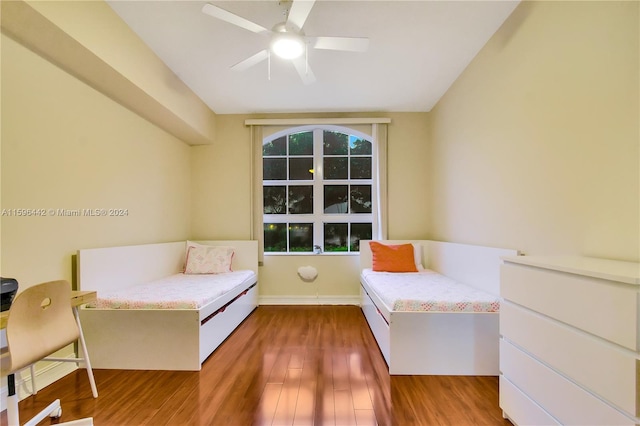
point(287, 45)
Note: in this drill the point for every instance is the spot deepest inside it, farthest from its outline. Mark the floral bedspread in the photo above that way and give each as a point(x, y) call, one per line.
point(178, 291)
point(428, 291)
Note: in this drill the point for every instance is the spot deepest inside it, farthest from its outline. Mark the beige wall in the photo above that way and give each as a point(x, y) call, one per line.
point(221, 175)
point(67, 146)
point(536, 145)
point(90, 41)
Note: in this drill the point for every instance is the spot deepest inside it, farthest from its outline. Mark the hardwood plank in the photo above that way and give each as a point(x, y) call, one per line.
point(305, 405)
point(327, 415)
point(297, 358)
point(340, 372)
point(345, 414)
point(365, 418)
point(358, 383)
point(303, 365)
point(286, 409)
point(268, 404)
point(279, 369)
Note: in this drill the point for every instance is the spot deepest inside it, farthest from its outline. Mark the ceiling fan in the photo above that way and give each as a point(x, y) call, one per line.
point(287, 40)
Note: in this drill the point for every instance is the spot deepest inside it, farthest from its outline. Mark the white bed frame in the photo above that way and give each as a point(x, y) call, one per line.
point(440, 343)
point(158, 339)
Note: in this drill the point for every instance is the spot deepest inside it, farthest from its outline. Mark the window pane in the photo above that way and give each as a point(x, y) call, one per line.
point(275, 147)
point(335, 143)
point(290, 191)
point(300, 168)
point(335, 236)
point(359, 146)
point(359, 231)
point(301, 199)
point(361, 168)
point(301, 237)
point(361, 198)
point(335, 198)
point(274, 168)
point(301, 143)
point(275, 199)
point(335, 168)
point(275, 237)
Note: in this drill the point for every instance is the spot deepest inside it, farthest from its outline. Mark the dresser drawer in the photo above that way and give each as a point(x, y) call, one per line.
point(603, 308)
point(607, 370)
point(562, 399)
point(521, 409)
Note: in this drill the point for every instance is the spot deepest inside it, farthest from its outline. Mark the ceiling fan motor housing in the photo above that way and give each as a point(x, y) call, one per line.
point(286, 43)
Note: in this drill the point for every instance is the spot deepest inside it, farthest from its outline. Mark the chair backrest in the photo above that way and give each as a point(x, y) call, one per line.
point(40, 322)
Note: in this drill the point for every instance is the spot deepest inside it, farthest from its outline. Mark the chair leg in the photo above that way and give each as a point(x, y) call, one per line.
point(34, 388)
point(82, 422)
point(85, 354)
point(13, 417)
point(52, 410)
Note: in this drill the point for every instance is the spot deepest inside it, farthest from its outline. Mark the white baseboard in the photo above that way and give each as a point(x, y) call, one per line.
point(309, 300)
point(44, 377)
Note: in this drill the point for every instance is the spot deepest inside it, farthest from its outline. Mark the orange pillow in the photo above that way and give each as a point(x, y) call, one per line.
point(392, 258)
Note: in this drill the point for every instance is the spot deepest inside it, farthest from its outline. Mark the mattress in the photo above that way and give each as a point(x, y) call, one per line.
point(428, 290)
point(177, 291)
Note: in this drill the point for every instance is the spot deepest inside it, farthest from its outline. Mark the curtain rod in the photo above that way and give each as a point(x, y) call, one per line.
point(303, 121)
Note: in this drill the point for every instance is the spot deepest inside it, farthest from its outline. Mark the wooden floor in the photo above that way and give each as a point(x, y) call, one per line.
point(285, 365)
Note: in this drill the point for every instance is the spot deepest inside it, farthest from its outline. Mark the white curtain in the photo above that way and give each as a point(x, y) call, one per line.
point(380, 136)
point(257, 229)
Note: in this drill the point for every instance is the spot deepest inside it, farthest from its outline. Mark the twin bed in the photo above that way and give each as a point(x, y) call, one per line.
point(442, 319)
point(158, 306)
point(454, 332)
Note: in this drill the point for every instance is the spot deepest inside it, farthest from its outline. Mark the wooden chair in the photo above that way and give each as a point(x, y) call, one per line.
point(40, 322)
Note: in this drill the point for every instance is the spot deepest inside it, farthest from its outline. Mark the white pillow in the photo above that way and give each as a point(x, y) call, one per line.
point(203, 259)
point(417, 255)
point(186, 251)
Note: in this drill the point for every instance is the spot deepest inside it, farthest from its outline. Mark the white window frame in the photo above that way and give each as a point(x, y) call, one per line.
point(318, 217)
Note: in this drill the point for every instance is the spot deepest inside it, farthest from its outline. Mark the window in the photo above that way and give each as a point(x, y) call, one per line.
point(319, 190)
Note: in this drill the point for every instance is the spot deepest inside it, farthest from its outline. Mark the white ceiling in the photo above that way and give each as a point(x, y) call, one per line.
point(417, 49)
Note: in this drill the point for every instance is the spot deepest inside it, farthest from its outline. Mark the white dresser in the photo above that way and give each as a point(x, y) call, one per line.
point(570, 341)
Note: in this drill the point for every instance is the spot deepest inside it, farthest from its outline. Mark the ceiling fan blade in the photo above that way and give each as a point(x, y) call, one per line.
point(304, 70)
point(231, 18)
point(299, 12)
point(251, 61)
point(349, 44)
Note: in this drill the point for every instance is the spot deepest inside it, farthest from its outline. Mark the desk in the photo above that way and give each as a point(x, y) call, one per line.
point(78, 298)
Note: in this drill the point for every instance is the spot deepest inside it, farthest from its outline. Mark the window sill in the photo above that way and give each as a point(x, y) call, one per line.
point(329, 253)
